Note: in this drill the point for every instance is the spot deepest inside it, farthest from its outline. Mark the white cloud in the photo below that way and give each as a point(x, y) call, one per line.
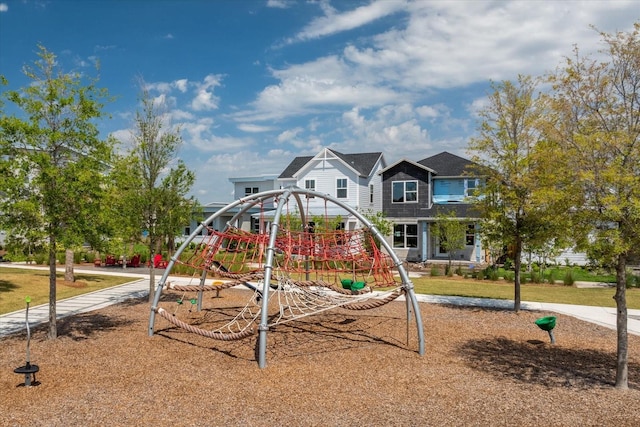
point(280, 4)
point(333, 22)
point(289, 134)
point(317, 86)
point(393, 130)
point(251, 128)
point(4, 7)
point(448, 44)
point(205, 99)
point(181, 85)
point(181, 115)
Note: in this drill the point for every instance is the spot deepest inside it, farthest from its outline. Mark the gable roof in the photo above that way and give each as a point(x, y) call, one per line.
point(410, 162)
point(362, 163)
point(447, 164)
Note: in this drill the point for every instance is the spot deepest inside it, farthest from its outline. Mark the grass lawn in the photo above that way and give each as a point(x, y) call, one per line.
point(17, 283)
point(602, 297)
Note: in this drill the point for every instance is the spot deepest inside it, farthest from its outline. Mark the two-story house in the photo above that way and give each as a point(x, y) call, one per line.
point(353, 179)
point(413, 195)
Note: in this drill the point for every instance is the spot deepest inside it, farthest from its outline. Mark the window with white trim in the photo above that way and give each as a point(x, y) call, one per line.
point(341, 188)
point(310, 184)
point(470, 238)
point(405, 236)
point(470, 187)
point(404, 191)
point(371, 193)
point(251, 190)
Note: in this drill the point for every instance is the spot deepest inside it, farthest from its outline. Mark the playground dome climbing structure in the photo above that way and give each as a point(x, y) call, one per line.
point(297, 266)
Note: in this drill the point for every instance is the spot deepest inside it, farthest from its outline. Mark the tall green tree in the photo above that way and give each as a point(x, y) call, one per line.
point(515, 201)
point(53, 160)
point(153, 184)
point(596, 106)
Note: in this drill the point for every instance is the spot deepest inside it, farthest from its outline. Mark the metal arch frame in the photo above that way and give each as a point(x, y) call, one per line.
point(283, 196)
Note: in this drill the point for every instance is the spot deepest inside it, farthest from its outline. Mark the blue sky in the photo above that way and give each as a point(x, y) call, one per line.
point(254, 83)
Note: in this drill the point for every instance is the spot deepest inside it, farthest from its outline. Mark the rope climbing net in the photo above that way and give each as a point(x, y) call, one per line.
point(294, 268)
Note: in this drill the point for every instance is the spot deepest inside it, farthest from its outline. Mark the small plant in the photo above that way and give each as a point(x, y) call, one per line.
point(551, 278)
point(458, 271)
point(536, 277)
point(40, 258)
point(509, 276)
point(632, 280)
point(491, 273)
point(568, 278)
point(435, 271)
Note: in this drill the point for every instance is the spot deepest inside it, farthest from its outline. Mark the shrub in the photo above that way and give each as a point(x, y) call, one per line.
point(551, 278)
point(491, 274)
point(40, 258)
point(536, 277)
point(435, 271)
point(632, 280)
point(568, 278)
point(509, 276)
point(458, 271)
point(90, 257)
point(448, 271)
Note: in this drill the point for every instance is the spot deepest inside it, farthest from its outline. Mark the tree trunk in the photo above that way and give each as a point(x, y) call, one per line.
point(152, 275)
point(68, 266)
point(53, 331)
point(622, 365)
point(517, 263)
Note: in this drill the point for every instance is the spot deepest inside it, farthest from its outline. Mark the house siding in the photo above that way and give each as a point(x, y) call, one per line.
point(405, 172)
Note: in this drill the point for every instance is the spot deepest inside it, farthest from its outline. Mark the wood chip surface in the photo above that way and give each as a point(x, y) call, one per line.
point(482, 367)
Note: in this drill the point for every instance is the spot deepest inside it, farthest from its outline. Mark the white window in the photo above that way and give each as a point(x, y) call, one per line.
point(470, 237)
point(341, 188)
point(405, 236)
point(310, 184)
point(470, 187)
point(404, 191)
point(371, 193)
point(251, 190)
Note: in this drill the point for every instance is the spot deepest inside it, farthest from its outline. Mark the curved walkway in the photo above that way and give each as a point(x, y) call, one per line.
point(139, 287)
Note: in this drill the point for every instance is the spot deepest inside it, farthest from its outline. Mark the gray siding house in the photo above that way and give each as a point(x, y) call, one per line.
point(414, 193)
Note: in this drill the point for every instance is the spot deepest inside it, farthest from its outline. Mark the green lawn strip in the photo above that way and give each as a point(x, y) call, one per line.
point(600, 297)
point(16, 284)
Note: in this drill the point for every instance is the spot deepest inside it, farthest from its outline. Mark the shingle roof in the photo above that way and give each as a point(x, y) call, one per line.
point(295, 165)
point(447, 164)
point(363, 163)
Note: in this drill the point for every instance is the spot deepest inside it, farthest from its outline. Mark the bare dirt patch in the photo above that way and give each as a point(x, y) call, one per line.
point(77, 284)
point(481, 367)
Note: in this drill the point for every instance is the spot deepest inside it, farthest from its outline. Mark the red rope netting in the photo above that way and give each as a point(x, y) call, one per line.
point(328, 257)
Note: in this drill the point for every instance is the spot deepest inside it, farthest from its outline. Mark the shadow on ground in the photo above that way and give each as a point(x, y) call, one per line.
point(84, 326)
point(7, 286)
point(535, 362)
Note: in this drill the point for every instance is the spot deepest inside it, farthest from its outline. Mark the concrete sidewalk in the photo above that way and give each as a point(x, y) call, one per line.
point(139, 287)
